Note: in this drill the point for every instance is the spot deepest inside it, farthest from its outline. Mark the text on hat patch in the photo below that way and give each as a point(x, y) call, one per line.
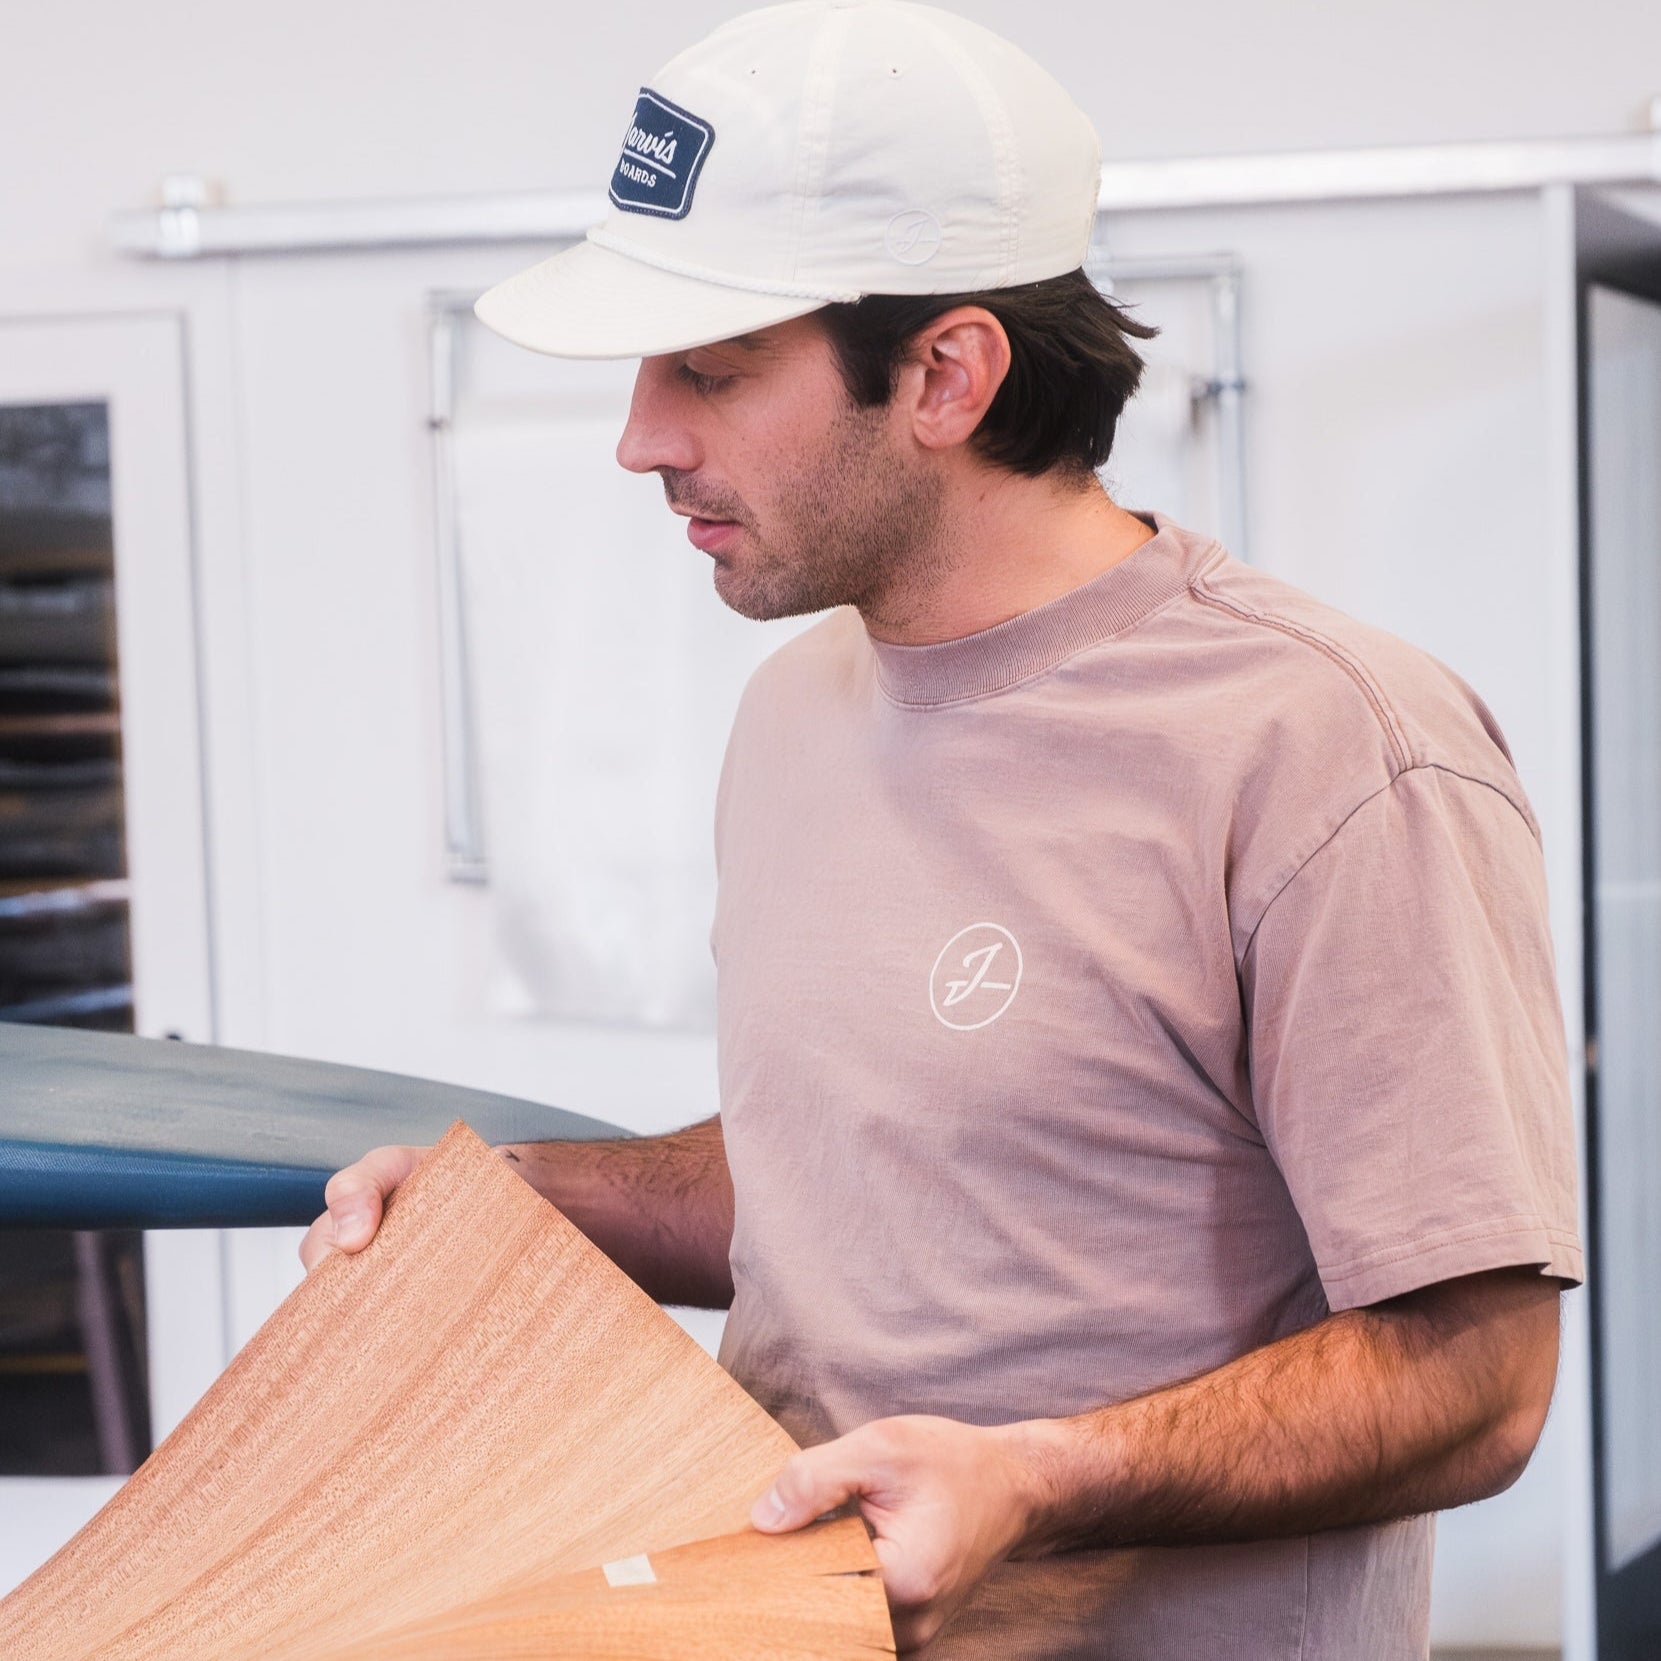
point(662, 154)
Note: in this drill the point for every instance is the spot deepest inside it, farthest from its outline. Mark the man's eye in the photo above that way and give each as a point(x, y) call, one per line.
point(703, 385)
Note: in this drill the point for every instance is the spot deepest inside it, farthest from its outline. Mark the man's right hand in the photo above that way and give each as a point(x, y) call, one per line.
point(356, 1197)
point(660, 1207)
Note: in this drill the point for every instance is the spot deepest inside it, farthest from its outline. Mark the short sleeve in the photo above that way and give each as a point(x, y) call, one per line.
point(1408, 1064)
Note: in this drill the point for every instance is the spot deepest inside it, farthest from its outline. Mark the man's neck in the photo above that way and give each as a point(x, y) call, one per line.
point(1009, 545)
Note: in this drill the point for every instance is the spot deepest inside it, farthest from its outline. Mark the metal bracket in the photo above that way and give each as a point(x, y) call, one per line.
point(464, 844)
point(1225, 388)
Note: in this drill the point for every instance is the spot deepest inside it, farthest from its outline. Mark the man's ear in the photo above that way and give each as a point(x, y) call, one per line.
point(952, 370)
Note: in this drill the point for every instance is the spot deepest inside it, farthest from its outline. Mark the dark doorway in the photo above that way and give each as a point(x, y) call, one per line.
point(73, 1390)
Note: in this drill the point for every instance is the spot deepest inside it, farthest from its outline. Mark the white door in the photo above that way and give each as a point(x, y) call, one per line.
point(134, 365)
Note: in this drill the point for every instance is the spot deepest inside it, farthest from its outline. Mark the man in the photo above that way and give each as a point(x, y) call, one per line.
point(1143, 1179)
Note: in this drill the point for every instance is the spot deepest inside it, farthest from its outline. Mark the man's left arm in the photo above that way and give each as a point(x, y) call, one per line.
point(1423, 1402)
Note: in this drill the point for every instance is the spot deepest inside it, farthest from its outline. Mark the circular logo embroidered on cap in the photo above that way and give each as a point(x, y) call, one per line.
point(913, 237)
point(975, 978)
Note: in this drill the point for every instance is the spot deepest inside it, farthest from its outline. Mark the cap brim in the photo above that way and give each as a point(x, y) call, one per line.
point(589, 302)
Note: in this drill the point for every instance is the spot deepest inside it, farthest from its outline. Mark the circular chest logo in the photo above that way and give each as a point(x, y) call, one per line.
point(975, 978)
point(913, 237)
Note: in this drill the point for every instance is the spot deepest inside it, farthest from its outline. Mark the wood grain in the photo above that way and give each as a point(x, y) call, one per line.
point(432, 1449)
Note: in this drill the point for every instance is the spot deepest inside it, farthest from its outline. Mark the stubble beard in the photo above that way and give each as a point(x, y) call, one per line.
point(860, 528)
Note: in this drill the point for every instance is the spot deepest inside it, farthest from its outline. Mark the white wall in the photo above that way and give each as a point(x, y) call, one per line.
point(341, 98)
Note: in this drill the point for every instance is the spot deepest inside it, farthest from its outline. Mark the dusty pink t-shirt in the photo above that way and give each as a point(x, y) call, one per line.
point(1104, 995)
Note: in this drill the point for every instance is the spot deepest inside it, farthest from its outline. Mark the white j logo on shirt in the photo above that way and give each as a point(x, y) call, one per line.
point(975, 977)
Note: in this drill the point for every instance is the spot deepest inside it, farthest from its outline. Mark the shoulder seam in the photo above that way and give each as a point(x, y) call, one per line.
point(1372, 796)
point(1328, 648)
point(1519, 807)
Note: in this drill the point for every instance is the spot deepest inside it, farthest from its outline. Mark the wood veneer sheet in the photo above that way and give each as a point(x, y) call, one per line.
point(476, 1439)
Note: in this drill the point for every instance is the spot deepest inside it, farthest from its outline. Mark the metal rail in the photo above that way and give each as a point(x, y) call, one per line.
point(188, 225)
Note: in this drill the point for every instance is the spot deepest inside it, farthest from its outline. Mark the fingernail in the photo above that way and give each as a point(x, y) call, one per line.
point(768, 1509)
point(350, 1223)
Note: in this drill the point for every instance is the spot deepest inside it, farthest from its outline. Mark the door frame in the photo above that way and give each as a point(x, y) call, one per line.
point(1614, 250)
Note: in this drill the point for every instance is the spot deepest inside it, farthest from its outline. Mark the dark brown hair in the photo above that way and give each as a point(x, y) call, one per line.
point(1072, 366)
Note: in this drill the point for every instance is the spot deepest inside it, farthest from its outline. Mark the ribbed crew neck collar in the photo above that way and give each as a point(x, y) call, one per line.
point(1039, 639)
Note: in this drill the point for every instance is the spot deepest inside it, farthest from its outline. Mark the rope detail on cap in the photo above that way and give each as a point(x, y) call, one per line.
point(720, 279)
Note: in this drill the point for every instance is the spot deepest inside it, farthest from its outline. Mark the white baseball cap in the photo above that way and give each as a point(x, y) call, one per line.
point(811, 152)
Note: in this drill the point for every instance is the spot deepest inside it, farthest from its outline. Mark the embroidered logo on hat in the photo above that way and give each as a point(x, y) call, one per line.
point(663, 152)
point(913, 237)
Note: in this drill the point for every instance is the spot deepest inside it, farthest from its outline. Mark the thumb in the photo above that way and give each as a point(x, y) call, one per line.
point(811, 1483)
point(355, 1204)
point(356, 1197)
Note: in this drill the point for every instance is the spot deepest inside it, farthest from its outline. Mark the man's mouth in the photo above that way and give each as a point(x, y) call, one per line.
point(706, 527)
point(713, 536)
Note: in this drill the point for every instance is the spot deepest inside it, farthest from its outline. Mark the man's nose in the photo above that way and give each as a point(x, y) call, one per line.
point(654, 436)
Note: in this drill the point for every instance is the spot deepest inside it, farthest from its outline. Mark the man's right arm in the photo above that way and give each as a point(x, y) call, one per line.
point(660, 1207)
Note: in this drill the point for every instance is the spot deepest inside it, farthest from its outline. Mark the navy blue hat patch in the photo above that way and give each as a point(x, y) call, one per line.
point(663, 151)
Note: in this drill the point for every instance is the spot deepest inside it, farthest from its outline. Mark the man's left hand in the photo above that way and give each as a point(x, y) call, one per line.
point(1416, 1404)
point(947, 1501)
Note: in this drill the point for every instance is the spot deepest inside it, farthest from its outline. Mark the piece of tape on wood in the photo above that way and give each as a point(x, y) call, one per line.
point(441, 1449)
point(632, 1571)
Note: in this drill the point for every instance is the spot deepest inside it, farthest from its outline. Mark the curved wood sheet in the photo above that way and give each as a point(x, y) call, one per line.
point(433, 1449)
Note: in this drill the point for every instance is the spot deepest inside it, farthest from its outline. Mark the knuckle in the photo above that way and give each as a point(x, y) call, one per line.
point(375, 1174)
point(385, 1163)
point(883, 1439)
point(396, 1163)
point(925, 1585)
point(341, 1185)
point(795, 1481)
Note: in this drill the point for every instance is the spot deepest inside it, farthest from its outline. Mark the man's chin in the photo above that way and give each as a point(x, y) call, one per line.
point(760, 601)
point(737, 595)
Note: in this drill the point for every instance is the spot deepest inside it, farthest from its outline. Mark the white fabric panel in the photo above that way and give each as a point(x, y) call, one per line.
point(605, 672)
